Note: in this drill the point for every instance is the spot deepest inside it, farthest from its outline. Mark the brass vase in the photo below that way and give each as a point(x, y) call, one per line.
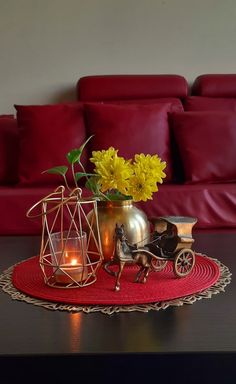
point(135, 221)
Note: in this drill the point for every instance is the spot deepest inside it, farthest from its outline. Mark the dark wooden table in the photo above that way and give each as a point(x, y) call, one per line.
point(192, 343)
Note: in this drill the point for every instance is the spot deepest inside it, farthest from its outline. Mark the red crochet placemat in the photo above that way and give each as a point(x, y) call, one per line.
point(160, 286)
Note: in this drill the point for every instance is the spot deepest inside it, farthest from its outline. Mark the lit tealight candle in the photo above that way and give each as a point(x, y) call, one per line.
point(70, 259)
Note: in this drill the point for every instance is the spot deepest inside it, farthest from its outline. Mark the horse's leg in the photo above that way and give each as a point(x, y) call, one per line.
point(147, 269)
point(146, 273)
point(137, 277)
point(107, 269)
point(121, 266)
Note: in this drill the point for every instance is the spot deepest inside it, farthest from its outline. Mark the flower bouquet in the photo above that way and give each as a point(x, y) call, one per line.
point(114, 177)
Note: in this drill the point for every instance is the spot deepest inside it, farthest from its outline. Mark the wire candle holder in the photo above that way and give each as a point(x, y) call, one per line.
point(66, 258)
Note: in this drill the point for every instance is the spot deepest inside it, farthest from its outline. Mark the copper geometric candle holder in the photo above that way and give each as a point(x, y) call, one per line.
point(66, 259)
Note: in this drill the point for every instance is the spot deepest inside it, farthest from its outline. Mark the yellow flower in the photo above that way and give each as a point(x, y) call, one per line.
point(137, 179)
point(114, 170)
point(152, 166)
point(141, 187)
point(102, 155)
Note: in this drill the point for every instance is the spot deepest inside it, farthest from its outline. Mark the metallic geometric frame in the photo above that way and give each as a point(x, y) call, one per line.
point(54, 209)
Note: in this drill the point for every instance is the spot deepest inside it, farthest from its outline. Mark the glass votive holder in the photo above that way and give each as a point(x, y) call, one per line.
point(69, 257)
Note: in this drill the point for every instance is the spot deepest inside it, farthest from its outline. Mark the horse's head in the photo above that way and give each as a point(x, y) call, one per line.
point(120, 232)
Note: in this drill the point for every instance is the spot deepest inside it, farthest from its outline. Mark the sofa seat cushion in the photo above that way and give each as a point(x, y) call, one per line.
point(198, 103)
point(213, 205)
point(132, 129)
point(8, 150)
point(206, 142)
point(47, 133)
point(15, 203)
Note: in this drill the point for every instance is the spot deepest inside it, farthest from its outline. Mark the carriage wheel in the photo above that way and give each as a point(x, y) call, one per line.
point(158, 264)
point(184, 262)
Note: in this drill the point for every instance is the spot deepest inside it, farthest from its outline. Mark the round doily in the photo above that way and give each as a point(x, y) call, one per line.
point(24, 281)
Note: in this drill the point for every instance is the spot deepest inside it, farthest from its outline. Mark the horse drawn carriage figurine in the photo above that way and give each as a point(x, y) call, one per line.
point(171, 241)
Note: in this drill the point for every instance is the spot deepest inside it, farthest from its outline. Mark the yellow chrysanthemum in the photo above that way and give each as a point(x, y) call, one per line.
point(98, 156)
point(141, 187)
point(113, 170)
point(137, 179)
point(152, 166)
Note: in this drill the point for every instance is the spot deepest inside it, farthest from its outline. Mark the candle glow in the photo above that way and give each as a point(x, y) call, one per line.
point(70, 258)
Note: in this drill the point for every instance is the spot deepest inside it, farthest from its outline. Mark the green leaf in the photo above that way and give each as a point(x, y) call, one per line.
point(83, 145)
point(92, 184)
point(60, 170)
point(78, 175)
point(74, 155)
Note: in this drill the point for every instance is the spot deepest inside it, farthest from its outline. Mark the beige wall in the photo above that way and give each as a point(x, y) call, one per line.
point(46, 45)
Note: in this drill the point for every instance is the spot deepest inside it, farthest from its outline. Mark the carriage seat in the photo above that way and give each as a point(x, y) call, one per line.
point(186, 239)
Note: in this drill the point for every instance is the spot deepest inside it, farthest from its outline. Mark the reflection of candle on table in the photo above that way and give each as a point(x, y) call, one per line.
point(69, 257)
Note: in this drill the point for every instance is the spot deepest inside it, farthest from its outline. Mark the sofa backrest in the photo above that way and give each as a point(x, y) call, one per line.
point(126, 87)
point(212, 92)
point(213, 85)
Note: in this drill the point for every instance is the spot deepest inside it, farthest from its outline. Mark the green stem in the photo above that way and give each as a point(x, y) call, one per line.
point(66, 184)
point(98, 191)
point(102, 194)
point(73, 173)
point(83, 169)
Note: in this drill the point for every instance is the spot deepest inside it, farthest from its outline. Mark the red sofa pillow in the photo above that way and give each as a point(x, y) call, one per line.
point(131, 128)
point(47, 134)
point(206, 142)
point(8, 150)
point(199, 103)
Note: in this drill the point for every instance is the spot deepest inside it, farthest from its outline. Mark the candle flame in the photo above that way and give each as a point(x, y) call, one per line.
point(73, 262)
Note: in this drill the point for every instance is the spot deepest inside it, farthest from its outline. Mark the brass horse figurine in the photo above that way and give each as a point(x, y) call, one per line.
point(130, 253)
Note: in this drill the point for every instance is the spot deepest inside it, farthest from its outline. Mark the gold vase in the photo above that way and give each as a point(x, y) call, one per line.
point(110, 213)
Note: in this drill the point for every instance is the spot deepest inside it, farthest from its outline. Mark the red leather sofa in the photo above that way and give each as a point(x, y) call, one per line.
point(192, 129)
